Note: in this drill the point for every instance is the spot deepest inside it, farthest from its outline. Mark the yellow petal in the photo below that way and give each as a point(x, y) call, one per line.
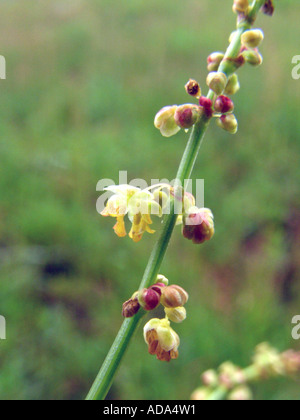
point(149, 230)
point(119, 227)
point(135, 236)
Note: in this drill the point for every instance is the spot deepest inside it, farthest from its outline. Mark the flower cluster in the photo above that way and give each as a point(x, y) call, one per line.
point(242, 7)
point(267, 363)
point(161, 339)
point(170, 119)
point(140, 205)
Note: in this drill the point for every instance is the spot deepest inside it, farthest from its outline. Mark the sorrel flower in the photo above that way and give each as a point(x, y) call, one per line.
point(198, 225)
point(162, 340)
point(138, 204)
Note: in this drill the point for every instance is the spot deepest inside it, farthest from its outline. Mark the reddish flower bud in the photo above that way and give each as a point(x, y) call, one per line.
point(223, 104)
point(149, 299)
point(157, 287)
point(192, 88)
point(199, 226)
point(206, 103)
point(130, 307)
point(174, 296)
point(186, 115)
point(268, 8)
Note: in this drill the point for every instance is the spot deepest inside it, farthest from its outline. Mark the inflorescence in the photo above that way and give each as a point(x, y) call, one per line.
point(198, 223)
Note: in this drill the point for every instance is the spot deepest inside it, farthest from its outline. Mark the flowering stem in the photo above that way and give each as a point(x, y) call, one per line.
point(106, 374)
point(105, 377)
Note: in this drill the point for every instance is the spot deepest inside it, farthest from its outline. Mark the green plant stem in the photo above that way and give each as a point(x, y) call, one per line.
point(218, 394)
point(105, 377)
point(106, 374)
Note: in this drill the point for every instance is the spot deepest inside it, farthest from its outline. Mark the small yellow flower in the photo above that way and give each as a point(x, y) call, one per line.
point(117, 205)
point(162, 340)
point(140, 225)
point(137, 204)
point(165, 121)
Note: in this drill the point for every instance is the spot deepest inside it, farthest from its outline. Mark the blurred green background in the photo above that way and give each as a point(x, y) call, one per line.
point(84, 81)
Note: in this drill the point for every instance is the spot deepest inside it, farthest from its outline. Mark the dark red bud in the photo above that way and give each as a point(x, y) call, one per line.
point(268, 8)
point(184, 118)
point(157, 287)
point(192, 88)
point(239, 61)
point(149, 299)
point(224, 104)
point(160, 284)
point(206, 103)
point(130, 308)
point(199, 227)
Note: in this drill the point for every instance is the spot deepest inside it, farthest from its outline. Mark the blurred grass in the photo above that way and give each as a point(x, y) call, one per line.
point(84, 83)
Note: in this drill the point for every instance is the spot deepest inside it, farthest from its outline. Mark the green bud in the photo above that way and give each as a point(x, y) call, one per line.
point(214, 60)
point(176, 314)
point(217, 81)
point(228, 123)
point(162, 279)
point(233, 85)
point(252, 38)
point(240, 6)
point(253, 57)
